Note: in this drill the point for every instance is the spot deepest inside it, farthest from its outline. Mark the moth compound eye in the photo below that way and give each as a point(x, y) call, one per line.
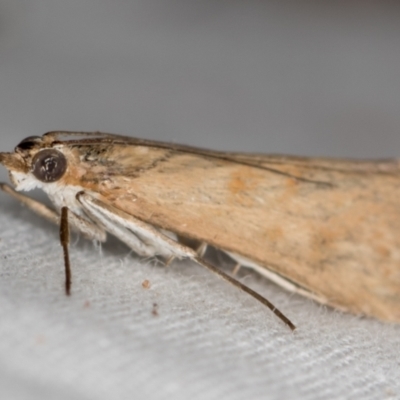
point(28, 143)
point(49, 165)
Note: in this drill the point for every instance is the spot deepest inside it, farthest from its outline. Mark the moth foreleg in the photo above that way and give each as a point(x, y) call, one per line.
point(36, 206)
point(143, 238)
point(79, 224)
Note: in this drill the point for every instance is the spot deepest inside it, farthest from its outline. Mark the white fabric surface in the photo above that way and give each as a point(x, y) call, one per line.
point(208, 340)
point(298, 77)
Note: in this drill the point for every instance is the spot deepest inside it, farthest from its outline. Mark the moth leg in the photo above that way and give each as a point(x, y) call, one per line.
point(34, 205)
point(201, 250)
point(81, 225)
point(276, 278)
point(246, 289)
point(87, 228)
point(169, 261)
point(236, 269)
point(143, 238)
point(197, 245)
point(163, 245)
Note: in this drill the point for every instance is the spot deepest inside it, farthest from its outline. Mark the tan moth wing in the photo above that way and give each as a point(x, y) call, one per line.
point(330, 226)
point(340, 240)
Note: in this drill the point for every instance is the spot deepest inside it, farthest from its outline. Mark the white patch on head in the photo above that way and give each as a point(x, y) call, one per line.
point(23, 182)
point(61, 195)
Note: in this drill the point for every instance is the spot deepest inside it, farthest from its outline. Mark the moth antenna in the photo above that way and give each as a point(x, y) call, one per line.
point(246, 289)
point(64, 239)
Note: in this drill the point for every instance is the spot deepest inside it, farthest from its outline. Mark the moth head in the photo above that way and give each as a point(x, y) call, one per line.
point(33, 162)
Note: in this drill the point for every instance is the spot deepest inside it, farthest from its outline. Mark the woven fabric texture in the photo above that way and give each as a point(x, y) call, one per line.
point(189, 335)
point(289, 77)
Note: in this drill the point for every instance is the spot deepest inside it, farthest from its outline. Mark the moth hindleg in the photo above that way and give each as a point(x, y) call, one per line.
point(197, 245)
point(276, 278)
point(162, 244)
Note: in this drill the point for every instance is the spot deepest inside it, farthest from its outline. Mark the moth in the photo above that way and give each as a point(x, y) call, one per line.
point(327, 229)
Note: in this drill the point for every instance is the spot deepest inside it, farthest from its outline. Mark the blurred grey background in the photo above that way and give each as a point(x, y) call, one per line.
point(295, 77)
point(303, 77)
